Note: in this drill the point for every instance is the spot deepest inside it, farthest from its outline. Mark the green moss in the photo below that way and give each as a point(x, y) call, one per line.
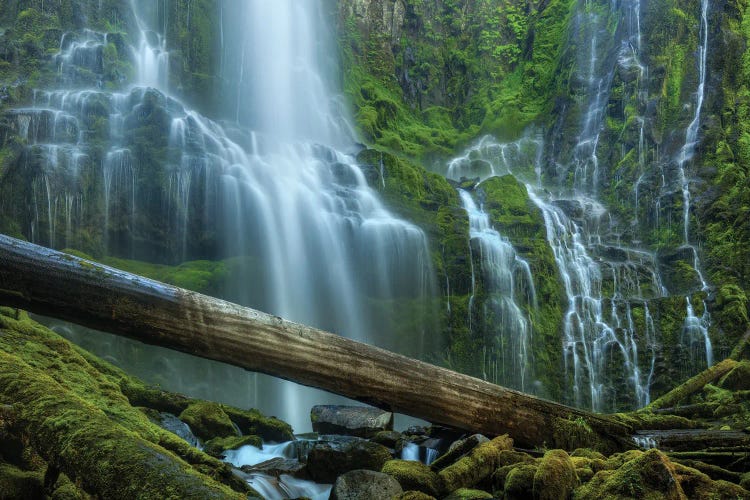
point(412, 475)
point(78, 418)
point(555, 476)
point(413, 495)
point(18, 484)
point(478, 464)
point(519, 482)
point(215, 447)
point(468, 494)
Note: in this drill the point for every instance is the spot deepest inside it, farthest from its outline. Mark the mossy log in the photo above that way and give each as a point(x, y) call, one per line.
point(693, 385)
point(66, 287)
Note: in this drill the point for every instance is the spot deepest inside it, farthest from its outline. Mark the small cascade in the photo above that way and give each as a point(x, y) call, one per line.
point(507, 292)
point(412, 451)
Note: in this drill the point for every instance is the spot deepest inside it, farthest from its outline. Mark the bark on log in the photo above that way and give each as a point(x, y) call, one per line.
point(48, 282)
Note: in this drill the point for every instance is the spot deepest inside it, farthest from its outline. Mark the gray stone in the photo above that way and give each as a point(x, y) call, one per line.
point(365, 485)
point(358, 421)
point(327, 461)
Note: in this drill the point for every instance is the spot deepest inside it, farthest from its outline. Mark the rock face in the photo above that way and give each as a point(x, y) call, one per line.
point(357, 421)
point(365, 485)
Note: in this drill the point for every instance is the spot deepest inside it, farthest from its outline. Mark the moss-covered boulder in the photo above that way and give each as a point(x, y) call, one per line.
point(555, 477)
point(646, 475)
point(364, 485)
point(468, 494)
point(216, 446)
point(327, 461)
point(477, 465)
point(457, 450)
point(413, 495)
point(413, 475)
point(208, 420)
point(390, 439)
point(519, 482)
point(18, 484)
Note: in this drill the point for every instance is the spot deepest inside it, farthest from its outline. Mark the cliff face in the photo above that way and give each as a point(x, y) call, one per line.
point(608, 118)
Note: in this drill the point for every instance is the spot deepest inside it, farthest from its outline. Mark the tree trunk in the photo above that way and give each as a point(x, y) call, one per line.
point(62, 286)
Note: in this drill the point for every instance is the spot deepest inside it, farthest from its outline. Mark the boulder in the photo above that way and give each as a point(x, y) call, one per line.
point(389, 439)
point(217, 446)
point(413, 495)
point(468, 494)
point(277, 466)
point(413, 475)
point(519, 483)
point(208, 420)
point(364, 485)
point(555, 477)
point(360, 421)
point(327, 461)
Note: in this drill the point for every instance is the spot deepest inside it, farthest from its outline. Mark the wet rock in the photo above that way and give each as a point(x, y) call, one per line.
point(327, 461)
point(358, 421)
point(390, 439)
point(555, 477)
point(278, 466)
point(365, 485)
point(208, 420)
point(412, 475)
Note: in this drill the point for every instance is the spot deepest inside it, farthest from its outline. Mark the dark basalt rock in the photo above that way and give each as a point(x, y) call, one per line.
point(357, 421)
point(327, 461)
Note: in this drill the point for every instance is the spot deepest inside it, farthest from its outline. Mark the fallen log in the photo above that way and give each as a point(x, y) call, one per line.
point(692, 385)
point(55, 284)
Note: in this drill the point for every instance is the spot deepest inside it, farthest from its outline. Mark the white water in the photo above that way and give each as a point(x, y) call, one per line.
point(313, 241)
point(283, 487)
point(507, 287)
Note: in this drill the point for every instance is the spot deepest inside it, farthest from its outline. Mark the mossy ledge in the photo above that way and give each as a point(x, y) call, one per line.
point(70, 410)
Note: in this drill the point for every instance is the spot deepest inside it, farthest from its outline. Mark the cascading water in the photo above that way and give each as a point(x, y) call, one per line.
point(507, 286)
point(285, 201)
point(695, 330)
point(598, 328)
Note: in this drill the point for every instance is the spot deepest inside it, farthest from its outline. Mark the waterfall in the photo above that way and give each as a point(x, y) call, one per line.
point(695, 329)
point(278, 191)
point(507, 287)
point(601, 342)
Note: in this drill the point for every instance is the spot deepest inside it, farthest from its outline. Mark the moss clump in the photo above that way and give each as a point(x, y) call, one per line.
point(468, 494)
point(413, 495)
point(646, 475)
point(555, 476)
point(412, 475)
point(519, 482)
point(207, 420)
point(18, 484)
point(477, 465)
point(215, 447)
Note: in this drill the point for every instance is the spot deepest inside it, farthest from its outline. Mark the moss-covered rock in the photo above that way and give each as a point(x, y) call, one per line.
point(477, 465)
point(412, 475)
point(555, 477)
point(18, 484)
point(215, 447)
point(208, 420)
point(468, 494)
point(644, 475)
point(413, 495)
point(519, 482)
